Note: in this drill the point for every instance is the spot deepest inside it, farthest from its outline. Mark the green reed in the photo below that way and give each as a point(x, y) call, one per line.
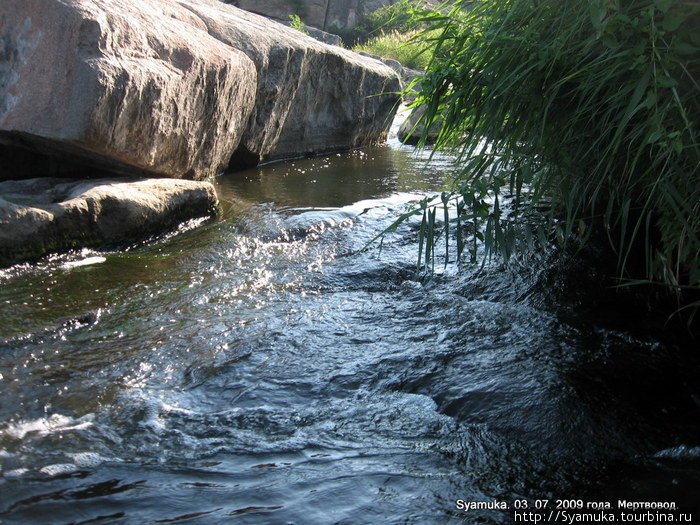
point(589, 109)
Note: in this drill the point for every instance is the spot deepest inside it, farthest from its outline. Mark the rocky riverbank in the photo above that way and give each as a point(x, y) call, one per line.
point(173, 88)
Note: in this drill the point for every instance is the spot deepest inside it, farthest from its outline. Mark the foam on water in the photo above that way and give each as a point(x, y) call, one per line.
point(54, 423)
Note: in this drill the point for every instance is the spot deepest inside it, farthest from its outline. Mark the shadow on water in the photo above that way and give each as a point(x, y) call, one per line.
point(260, 369)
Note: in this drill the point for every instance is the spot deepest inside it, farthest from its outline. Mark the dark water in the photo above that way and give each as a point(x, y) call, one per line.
point(258, 369)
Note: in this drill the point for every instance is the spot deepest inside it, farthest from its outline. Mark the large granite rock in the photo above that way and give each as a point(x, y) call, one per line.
point(177, 88)
point(43, 215)
point(136, 86)
point(311, 97)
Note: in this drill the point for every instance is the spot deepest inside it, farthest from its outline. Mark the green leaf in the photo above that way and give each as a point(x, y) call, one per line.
point(677, 146)
point(650, 99)
point(596, 15)
point(663, 5)
point(673, 21)
point(684, 48)
point(542, 237)
point(666, 82)
point(609, 40)
point(656, 135)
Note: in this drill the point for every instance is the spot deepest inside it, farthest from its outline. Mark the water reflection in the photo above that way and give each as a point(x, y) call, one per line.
point(338, 179)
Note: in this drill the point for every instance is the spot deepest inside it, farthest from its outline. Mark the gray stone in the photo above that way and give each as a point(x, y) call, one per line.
point(412, 131)
point(313, 12)
point(178, 88)
point(322, 36)
point(393, 64)
point(136, 86)
point(43, 215)
point(406, 74)
point(311, 97)
point(411, 88)
point(323, 14)
point(370, 55)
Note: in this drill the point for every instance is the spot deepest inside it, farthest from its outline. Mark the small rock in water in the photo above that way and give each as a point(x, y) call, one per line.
point(411, 285)
point(86, 318)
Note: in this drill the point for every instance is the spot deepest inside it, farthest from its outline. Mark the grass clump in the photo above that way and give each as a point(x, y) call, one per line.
point(403, 47)
point(396, 31)
point(591, 106)
point(399, 17)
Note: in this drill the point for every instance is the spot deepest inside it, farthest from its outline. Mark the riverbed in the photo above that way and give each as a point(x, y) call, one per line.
point(261, 367)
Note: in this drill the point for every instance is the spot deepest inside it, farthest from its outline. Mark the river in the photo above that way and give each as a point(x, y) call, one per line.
point(260, 368)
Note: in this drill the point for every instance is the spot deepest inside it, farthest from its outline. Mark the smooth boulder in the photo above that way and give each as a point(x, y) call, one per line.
point(43, 215)
point(131, 87)
point(176, 88)
point(311, 97)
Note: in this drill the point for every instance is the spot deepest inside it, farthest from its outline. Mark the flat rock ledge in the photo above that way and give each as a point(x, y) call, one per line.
point(43, 215)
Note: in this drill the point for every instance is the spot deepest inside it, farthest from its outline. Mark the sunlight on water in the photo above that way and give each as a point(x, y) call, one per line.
point(263, 368)
point(84, 262)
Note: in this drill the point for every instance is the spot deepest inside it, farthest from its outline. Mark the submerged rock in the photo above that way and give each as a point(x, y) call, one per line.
point(177, 88)
point(42, 215)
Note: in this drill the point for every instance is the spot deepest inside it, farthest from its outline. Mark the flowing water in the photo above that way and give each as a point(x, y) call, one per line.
point(260, 368)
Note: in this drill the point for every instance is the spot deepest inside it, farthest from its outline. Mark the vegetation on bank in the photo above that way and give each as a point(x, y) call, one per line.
point(393, 31)
point(396, 17)
point(404, 47)
point(295, 22)
point(399, 17)
point(589, 107)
